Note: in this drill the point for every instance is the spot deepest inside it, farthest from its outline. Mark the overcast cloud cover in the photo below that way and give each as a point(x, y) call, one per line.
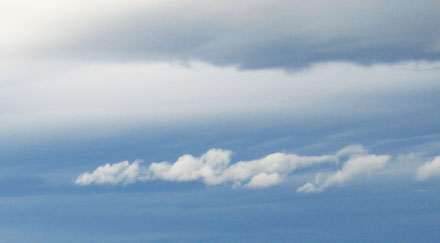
point(214, 121)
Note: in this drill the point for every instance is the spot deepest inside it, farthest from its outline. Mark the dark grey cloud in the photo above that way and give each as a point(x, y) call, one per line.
point(265, 34)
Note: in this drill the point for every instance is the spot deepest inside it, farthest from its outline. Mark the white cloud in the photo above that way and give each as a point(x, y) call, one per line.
point(276, 163)
point(213, 168)
point(355, 166)
point(207, 167)
point(429, 169)
point(308, 187)
point(113, 174)
point(264, 180)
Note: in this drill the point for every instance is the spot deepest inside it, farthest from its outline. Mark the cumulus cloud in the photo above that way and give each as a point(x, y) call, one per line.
point(209, 167)
point(429, 169)
point(355, 166)
point(123, 172)
point(213, 168)
point(264, 180)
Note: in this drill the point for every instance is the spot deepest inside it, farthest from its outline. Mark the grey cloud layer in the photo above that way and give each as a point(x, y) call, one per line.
point(214, 168)
point(263, 34)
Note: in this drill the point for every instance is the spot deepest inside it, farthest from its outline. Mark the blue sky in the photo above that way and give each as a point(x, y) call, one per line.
point(239, 121)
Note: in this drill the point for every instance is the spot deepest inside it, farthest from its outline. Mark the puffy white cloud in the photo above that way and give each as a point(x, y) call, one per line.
point(264, 180)
point(276, 163)
point(208, 167)
point(429, 169)
point(113, 174)
point(213, 168)
point(358, 165)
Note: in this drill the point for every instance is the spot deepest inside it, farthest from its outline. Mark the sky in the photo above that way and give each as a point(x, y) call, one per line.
point(220, 121)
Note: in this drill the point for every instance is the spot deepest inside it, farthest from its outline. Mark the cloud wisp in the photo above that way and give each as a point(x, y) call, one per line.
point(214, 167)
point(429, 169)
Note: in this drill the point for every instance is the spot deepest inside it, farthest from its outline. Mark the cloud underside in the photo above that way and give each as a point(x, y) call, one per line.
point(250, 34)
point(214, 168)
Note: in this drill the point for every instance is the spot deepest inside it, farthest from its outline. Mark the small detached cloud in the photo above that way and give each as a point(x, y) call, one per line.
point(429, 169)
point(214, 168)
point(355, 166)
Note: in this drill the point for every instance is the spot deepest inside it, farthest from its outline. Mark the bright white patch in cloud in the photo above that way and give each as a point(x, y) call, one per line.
point(429, 169)
point(213, 168)
point(355, 166)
